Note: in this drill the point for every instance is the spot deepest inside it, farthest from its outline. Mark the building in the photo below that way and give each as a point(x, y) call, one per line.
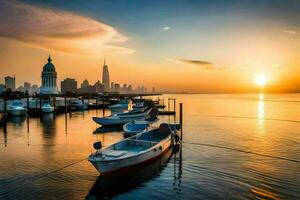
point(27, 87)
point(34, 89)
point(49, 76)
point(112, 87)
point(85, 83)
point(105, 77)
point(117, 87)
point(10, 83)
point(20, 89)
point(2, 88)
point(68, 85)
point(99, 87)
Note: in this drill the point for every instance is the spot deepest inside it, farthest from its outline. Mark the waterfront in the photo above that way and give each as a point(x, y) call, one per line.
point(236, 146)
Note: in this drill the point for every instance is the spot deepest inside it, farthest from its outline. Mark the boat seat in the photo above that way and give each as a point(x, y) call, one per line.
point(114, 153)
point(165, 128)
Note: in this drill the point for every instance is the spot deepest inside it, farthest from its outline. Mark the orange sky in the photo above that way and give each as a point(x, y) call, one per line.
point(177, 57)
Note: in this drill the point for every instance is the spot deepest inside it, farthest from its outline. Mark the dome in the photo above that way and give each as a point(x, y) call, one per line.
point(49, 67)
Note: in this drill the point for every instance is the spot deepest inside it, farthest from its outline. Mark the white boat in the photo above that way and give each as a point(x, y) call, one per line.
point(123, 104)
point(77, 104)
point(136, 126)
point(119, 120)
point(136, 150)
point(46, 107)
point(16, 108)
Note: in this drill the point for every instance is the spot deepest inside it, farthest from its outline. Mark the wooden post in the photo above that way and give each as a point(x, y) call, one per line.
point(103, 105)
point(180, 119)
point(169, 104)
point(27, 100)
point(40, 104)
point(174, 106)
point(5, 108)
point(54, 103)
point(66, 105)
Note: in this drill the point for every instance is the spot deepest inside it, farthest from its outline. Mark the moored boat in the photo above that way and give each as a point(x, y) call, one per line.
point(77, 104)
point(123, 104)
point(119, 120)
point(136, 150)
point(16, 108)
point(46, 107)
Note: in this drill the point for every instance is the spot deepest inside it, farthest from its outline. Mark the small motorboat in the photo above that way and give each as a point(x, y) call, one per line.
point(136, 126)
point(46, 107)
point(136, 150)
point(16, 108)
point(77, 104)
point(133, 111)
point(119, 120)
point(123, 104)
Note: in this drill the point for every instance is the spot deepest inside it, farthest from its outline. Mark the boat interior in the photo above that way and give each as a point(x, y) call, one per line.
point(138, 143)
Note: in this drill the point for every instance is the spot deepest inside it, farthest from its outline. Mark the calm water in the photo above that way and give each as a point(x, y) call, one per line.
point(235, 147)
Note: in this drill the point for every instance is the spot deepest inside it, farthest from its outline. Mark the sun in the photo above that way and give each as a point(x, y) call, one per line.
point(261, 80)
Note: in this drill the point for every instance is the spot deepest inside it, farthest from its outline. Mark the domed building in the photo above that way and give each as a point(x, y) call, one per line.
point(49, 76)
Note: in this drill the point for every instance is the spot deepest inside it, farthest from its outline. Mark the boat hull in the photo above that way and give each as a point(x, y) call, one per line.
point(18, 112)
point(113, 122)
point(114, 167)
point(47, 109)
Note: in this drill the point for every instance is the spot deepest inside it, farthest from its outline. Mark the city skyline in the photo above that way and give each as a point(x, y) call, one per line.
point(49, 83)
point(205, 50)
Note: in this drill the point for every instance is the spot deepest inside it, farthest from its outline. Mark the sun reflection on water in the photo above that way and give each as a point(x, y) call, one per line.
point(261, 112)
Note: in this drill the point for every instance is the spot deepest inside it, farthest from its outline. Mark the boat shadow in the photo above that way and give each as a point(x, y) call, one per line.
point(108, 129)
point(109, 186)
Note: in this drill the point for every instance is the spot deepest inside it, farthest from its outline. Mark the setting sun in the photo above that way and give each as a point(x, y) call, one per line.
point(261, 80)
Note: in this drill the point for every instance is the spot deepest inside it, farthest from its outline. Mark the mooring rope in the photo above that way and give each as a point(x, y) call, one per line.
point(243, 151)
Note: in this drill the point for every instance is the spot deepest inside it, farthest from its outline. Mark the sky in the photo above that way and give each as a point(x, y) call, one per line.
point(172, 45)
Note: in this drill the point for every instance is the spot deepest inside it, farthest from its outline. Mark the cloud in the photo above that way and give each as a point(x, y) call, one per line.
point(292, 32)
point(200, 63)
point(166, 28)
point(58, 30)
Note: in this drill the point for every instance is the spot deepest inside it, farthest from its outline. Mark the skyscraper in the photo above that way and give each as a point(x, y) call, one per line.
point(10, 83)
point(105, 77)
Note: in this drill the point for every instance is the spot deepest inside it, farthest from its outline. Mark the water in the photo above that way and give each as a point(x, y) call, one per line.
point(235, 147)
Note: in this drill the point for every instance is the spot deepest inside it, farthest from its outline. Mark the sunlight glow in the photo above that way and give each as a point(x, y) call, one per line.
point(261, 80)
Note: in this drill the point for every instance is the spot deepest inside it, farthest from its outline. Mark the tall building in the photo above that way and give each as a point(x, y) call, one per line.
point(49, 76)
point(68, 85)
point(105, 77)
point(10, 83)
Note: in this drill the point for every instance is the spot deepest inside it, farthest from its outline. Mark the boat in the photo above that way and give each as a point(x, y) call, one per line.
point(77, 104)
point(136, 126)
point(119, 120)
point(133, 111)
point(136, 150)
point(123, 104)
point(16, 108)
point(109, 186)
point(46, 107)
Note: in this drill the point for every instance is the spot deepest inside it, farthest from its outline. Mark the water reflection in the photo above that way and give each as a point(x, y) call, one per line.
point(17, 120)
point(107, 186)
point(108, 129)
point(261, 112)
